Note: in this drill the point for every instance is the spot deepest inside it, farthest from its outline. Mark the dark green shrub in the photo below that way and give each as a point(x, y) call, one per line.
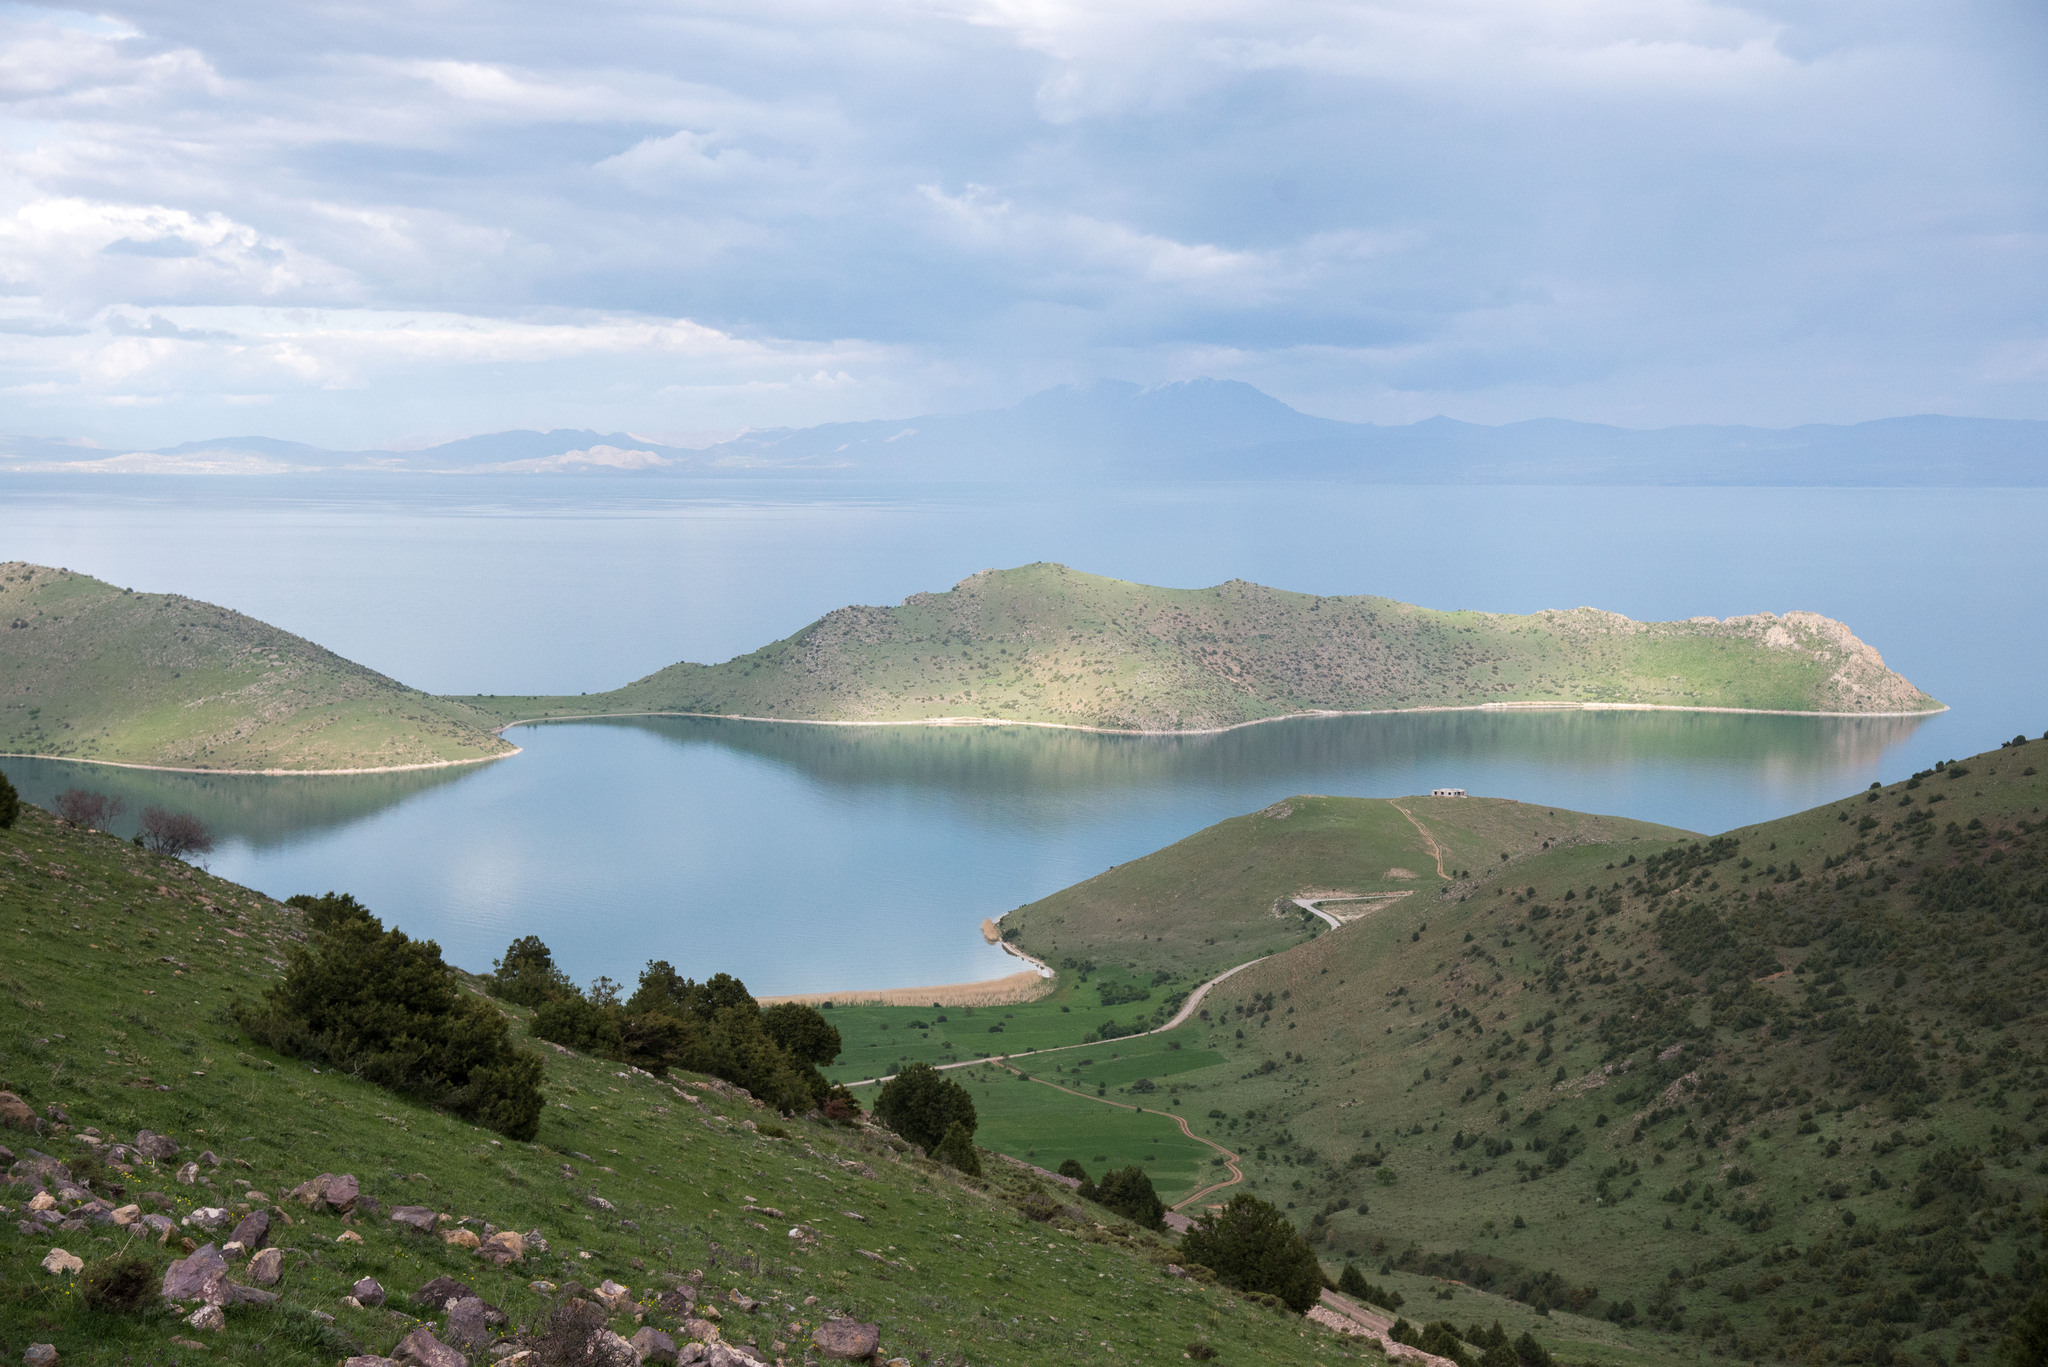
point(957, 1149)
point(124, 1285)
point(1128, 1192)
point(1250, 1246)
point(576, 1022)
point(922, 1104)
point(1353, 1284)
point(10, 803)
point(803, 1031)
point(385, 1007)
point(527, 975)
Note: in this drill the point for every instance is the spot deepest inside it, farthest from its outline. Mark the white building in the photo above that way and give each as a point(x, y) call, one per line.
point(1448, 792)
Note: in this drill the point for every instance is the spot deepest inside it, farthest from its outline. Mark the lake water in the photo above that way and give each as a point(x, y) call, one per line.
point(813, 858)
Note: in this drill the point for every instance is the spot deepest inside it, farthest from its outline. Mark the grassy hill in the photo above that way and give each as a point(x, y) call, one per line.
point(1776, 1095)
point(118, 970)
point(1044, 643)
point(90, 671)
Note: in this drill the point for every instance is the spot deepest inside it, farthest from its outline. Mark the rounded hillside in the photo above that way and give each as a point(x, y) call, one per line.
point(90, 671)
point(1050, 645)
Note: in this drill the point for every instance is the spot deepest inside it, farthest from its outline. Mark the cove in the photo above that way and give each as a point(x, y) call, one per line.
point(817, 858)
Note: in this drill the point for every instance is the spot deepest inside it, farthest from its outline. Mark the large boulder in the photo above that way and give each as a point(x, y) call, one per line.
point(417, 1217)
point(467, 1326)
point(207, 1218)
point(462, 1238)
point(266, 1267)
point(651, 1345)
point(847, 1339)
point(328, 1191)
point(368, 1292)
point(503, 1248)
point(436, 1294)
point(421, 1349)
point(252, 1231)
point(59, 1263)
point(40, 1355)
point(194, 1278)
point(150, 1144)
point(16, 1115)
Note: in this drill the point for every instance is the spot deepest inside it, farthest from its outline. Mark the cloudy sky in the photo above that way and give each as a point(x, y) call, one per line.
point(370, 224)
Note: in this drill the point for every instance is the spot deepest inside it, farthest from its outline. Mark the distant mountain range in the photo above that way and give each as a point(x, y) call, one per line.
point(1112, 431)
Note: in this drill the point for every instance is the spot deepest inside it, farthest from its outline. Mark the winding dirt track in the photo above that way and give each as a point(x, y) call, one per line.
point(1427, 838)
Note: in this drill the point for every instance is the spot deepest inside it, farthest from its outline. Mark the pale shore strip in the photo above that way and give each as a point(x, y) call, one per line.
point(1234, 726)
point(275, 773)
point(1001, 721)
point(1017, 987)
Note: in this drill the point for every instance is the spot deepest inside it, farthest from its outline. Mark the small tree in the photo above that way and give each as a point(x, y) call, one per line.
point(83, 807)
point(174, 833)
point(957, 1148)
point(802, 1030)
point(1250, 1246)
point(527, 975)
point(922, 1104)
point(1128, 1192)
point(10, 803)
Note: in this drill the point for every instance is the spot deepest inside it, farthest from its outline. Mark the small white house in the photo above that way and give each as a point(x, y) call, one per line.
point(1448, 792)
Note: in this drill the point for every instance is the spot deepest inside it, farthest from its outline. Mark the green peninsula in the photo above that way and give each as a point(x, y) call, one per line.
point(1050, 645)
point(90, 671)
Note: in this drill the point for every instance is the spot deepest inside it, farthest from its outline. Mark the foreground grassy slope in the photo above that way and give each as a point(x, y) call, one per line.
point(118, 968)
point(1778, 1095)
point(90, 671)
point(1044, 643)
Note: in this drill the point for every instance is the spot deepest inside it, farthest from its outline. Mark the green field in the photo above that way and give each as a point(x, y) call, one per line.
point(1782, 1096)
point(1043, 643)
point(119, 966)
point(91, 671)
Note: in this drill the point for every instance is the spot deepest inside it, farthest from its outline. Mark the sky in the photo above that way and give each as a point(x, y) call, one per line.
point(390, 224)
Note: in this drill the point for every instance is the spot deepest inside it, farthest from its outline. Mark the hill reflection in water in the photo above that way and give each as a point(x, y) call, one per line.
point(809, 858)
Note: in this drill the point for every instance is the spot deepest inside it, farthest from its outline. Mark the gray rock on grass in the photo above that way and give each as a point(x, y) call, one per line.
point(651, 1345)
point(437, 1293)
point(417, 1217)
point(253, 1231)
point(40, 1355)
point(847, 1339)
point(189, 1279)
point(369, 1291)
point(421, 1349)
point(467, 1324)
point(267, 1266)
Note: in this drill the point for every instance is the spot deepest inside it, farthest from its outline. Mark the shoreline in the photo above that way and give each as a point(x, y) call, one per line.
point(1234, 726)
point(1008, 990)
point(274, 773)
point(500, 729)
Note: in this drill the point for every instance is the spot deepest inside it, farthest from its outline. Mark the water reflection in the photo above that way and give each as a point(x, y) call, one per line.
point(817, 858)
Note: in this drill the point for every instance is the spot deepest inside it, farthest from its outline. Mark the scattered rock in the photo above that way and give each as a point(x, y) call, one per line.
point(742, 1300)
point(651, 1345)
point(534, 1242)
point(180, 1341)
point(190, 1279)
point(57, 1262)
point(468, 1323)
point(703, 1331)
point(367, 1360)
point(599, 1202)
point(188, 1174)
point(418, 1217)
point(40, 1355)
point(126, 1215)
point(369, 1291)
point(613, 1296)
point(503, 1248)
point(543, 1288)
point(725, 1355)
point(847, 1339)
point(462, 1238)
point(150, 1144)
point(210, 1158)
point(328, 1191)
point(207, 1317)
point(436, 1294)
point(267, 1266)
point(208, 1218)
point(162, 1224)
point(677, 1302)
point(607, 1349)
point(42, 1200)
point(247, 1295)
point(348, 1236)
point(253, 1232)
point(16, 1115)
point(421, 1349)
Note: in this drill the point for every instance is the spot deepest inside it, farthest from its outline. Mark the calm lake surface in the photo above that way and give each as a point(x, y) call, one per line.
point(816, 858)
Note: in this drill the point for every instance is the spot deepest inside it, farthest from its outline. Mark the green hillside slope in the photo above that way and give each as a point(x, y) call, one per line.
point(1775, 1095)
point(119, 967)
point(90, 671)
point(1044, 643)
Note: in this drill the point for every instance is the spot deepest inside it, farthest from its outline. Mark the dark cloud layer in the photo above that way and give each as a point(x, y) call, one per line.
point(369, 223)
